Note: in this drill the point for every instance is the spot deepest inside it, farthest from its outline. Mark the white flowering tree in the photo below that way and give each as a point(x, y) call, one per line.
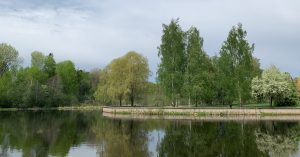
point(273, 85)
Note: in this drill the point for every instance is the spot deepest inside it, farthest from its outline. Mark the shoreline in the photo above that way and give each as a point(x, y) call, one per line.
point(205, 118)
point(201, 111)
point(67, 108)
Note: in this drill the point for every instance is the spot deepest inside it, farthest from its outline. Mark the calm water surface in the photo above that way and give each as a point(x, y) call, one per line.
point(89, 134)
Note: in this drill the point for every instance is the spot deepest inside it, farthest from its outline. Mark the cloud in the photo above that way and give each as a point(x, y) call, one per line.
point(91, 33)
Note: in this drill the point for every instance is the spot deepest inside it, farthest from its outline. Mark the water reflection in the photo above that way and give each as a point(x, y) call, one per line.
point(63, 133)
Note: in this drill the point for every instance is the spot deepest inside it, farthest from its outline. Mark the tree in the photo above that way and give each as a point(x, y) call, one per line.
point(6, 92)
point(275, 85)
point(116, 76)
point(95, 79)
point(50, 65)
point(173, 60)
point(68, 74)
point(137, 73)
point(298, 86)
point(101, 93)
point(8, 58)
point(124, 76)
point(38, 77)
point(84, 85)
point(237, 66)
point(197, 68)
point(37, 59)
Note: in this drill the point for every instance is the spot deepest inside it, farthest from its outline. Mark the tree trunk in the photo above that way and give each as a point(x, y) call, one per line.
point(36, 91)
point(240, 95)
point(132, 100)
point(189, 100)
point(241, 104)
point(173, 103)
point(271, 101)
point(120, 101)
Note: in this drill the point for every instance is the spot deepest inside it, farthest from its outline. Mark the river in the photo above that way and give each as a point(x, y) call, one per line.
point(89, 134)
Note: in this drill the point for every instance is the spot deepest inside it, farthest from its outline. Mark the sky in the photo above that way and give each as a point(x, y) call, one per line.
point(91, 33)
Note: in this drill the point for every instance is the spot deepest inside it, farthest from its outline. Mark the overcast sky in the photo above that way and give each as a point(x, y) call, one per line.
point(93, 32)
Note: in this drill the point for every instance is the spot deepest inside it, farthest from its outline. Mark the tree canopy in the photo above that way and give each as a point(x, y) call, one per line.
point(9, 58)
point(173, 59)
point(275, 85)
point(237, 66)
point(126, 76)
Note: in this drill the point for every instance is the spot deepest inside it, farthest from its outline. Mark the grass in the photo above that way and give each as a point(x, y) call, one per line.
point(268, 114)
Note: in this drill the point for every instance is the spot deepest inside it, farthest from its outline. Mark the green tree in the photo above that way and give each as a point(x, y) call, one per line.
point(136, 75)
point(116, 76)
point(101, 93)
point(95, 79)
point(37, 59)
point(173, 61)
point(84, 85)
point(124, 76)
point(9, 58)
point(297, 82)
point(236, 66)
point(275, 85)
point(6, 92)
point(198, 69)
point(50, 65)
point(68, 74)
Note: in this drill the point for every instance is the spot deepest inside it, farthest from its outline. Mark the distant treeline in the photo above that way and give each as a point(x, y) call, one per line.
point(186, 75)
point(45, 83)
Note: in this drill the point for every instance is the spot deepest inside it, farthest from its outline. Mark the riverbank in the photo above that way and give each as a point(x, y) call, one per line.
point(201, 111)
point(206, 118)
point(66, 108)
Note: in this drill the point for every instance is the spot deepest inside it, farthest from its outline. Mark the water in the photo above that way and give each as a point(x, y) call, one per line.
point(89, 134)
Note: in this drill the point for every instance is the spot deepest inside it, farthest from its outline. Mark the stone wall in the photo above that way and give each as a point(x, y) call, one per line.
point(200, 111)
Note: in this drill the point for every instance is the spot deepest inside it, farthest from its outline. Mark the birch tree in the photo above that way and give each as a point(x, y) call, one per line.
point(173, 61)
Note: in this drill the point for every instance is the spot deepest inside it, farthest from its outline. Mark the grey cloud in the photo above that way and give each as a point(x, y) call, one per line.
point(92, 32)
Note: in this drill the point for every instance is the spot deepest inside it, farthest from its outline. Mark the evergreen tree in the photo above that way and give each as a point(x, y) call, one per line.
point(50, 65)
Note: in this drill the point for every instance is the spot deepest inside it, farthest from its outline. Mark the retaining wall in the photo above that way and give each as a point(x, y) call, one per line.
point(209, 111)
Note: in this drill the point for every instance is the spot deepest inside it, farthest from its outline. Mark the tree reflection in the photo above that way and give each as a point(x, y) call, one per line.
point(209, 139)
point(278, 139)
point(54, 133)
point(123, 138)
point(42, 133)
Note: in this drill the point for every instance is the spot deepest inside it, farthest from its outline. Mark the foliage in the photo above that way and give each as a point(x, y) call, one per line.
point(275, 85)
point(173, 59)
point(9, 58)
point(237, 66)
point(50, 65)
point(37, 59)
point(185, 75)
point(68, 74)
point(199, 70)
point(124, 77)
point(297, 81)
point(137, 73)
point(44, 84)
point(84, 83)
